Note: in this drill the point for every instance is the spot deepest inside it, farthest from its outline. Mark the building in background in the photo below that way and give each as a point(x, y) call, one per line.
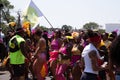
point(112, 27)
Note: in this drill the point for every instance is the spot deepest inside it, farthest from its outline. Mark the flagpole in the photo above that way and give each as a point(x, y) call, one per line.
point(48, 21)
point(46, 18)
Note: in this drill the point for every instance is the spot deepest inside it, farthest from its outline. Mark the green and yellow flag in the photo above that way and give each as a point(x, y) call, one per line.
point(32, 14)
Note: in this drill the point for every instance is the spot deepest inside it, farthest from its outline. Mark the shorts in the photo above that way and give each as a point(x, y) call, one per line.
point(18, 70)
point(117, 75)
point(88, 76)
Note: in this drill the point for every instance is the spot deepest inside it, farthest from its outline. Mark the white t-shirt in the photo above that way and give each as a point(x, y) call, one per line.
point(87, 60)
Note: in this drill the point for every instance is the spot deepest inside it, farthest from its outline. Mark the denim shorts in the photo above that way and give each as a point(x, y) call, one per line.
point(117, 75)
point(88, 76)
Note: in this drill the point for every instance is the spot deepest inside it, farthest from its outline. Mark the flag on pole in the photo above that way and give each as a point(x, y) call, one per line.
point(32, 14)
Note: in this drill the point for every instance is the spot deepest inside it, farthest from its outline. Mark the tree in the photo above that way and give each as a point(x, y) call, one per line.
point(91, 25)
point(101, 31)
point(43, 28)
point(6, 10)
point(66, 27)
point(5, 13)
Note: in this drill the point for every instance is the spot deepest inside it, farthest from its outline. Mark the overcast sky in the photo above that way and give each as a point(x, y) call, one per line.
point(74, 12)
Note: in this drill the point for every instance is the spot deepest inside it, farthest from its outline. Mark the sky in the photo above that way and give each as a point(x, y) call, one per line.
point(75, 13)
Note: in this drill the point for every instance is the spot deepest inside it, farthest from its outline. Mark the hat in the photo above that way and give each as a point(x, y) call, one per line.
point(69, 37)
point(26, 25)
point(12, 24)
point(75, 34)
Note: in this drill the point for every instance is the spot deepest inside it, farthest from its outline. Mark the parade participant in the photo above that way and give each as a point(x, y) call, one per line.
point(55, 46)
point(40, 54)
point(45, 36)
point(17, 55)
point(90, 57)
point(105, 40)
point(76, 57)
point(114, 60)
point(66, 50)
point(103, 51)
point(104, 59)
point(9, 35)
point(62, 64)
point(3, 51)
point(56, 42)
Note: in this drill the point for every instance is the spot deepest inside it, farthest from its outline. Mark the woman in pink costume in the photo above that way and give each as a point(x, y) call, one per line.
point(63, 48)
point(62, 65)
point(55, 46)
point(40, 56)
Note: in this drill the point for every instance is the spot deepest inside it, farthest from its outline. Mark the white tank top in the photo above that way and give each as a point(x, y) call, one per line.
point(87, 60)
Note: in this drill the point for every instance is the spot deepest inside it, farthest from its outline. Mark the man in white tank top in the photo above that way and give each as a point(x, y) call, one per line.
point(90, 58)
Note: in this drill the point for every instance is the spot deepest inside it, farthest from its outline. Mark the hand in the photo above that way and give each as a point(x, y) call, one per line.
point(32, 58)
point(105, 65)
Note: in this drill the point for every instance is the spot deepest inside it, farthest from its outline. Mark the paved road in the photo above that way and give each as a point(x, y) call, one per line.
point(4, 75)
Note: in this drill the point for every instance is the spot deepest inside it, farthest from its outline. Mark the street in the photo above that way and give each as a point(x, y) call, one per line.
point(5, 75)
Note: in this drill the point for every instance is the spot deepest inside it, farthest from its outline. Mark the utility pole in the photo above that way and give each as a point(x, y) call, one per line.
point(18, 20)
point(1, 7)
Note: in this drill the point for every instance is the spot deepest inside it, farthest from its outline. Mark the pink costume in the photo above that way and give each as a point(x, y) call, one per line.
point(53, 55)
point(61, 68)
point(54, 47)
point(63, 50)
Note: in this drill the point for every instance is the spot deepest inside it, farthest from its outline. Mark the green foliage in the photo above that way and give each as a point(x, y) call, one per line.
point(5, 14)
point(101, 31)
point(66, 27)
point(6, 11)
point(91, 25)
point(43, 28)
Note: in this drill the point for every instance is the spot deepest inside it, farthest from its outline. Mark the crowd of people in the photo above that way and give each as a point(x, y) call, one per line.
point(63, 54)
